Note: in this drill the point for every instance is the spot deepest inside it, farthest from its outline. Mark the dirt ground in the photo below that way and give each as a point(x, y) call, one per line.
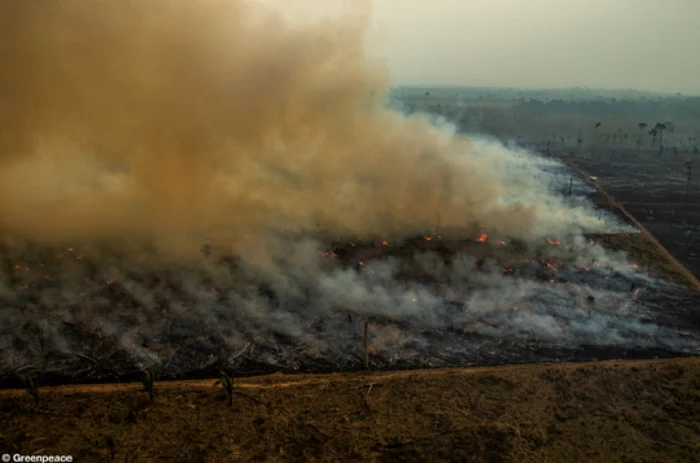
point(631, 411)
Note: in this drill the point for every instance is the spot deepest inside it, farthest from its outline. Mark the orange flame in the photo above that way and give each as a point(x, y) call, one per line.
point(331, 254)
point(551, 241)
point(427, 238)
point(482, 237)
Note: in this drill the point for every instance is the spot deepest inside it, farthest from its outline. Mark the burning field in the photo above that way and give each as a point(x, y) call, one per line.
point(191, 186)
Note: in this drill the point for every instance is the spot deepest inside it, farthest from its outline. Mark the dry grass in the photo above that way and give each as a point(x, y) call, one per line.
point(645, 253)
point(614, 411)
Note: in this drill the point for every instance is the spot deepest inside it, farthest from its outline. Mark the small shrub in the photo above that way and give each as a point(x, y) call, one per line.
point(32, 386)
point(226, 382)
point(148, 379)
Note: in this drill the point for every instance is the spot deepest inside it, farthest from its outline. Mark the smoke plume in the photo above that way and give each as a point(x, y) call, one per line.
point(174, 121)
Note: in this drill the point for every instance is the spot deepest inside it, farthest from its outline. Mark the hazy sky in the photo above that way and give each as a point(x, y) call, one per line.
point(645, 44)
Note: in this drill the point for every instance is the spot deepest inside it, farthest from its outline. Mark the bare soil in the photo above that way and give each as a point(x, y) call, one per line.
point(631, 411)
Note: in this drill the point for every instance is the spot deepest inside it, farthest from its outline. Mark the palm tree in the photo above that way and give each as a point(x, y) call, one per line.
point(642, 126)
point(660, 128)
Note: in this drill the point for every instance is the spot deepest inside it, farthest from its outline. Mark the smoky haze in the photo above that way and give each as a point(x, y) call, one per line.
point(641, 44)
point(174, 120)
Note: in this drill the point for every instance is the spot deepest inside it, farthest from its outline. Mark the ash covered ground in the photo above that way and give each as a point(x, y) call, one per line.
point(434, 300)
point(186, 220)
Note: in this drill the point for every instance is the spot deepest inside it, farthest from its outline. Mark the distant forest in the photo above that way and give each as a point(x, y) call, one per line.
point(624, 118)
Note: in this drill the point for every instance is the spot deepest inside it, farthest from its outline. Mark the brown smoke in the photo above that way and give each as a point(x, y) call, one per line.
point(214, 119)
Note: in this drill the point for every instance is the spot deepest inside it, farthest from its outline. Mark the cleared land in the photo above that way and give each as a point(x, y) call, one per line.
point(643, 411)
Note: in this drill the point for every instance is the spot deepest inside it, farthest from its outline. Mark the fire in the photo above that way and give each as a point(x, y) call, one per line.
point(501, 243)
point(551, 281)
point(331, 254)
point(361, 263)
point(70, 249)
point(482, 237)
point(385, 243)
point(427, 238)
point(635, 266)
point(551, 241)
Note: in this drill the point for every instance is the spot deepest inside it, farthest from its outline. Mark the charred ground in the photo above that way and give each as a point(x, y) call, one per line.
point(629, 304)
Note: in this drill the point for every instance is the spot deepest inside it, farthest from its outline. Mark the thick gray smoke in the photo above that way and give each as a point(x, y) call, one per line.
point(134, 132)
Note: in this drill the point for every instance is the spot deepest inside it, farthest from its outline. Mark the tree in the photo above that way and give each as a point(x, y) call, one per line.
point(642, 126)
point(659, 127)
